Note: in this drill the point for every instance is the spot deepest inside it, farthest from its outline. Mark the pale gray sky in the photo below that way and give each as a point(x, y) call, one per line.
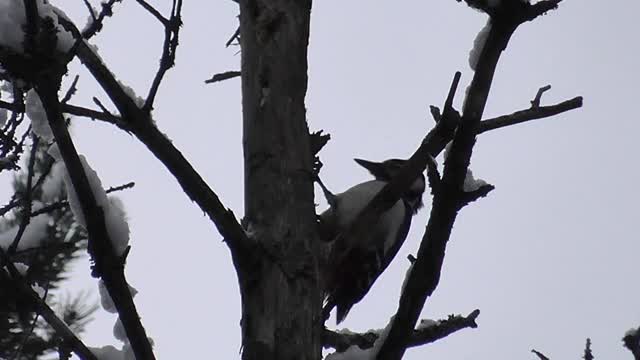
point(550, 257)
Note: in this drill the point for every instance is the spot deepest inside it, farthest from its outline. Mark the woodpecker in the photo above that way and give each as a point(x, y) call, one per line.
point(355, 264)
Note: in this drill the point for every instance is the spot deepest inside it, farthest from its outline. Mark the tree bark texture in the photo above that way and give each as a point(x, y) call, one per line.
point(281, 297)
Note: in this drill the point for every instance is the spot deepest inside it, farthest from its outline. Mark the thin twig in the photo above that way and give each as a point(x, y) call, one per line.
point(153, 11)
point(97, 23)
point(91, 10)
point(104, 115)
point(233, 37)
point(72, 90)
point(171, 36)
point(536, 101)
point(143, 127)
point(26, 202)
point(64, 203)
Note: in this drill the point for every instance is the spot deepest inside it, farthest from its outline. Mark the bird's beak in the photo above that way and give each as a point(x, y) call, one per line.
point(375, 168)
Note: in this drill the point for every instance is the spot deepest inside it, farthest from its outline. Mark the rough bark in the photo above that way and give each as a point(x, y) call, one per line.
point(281, 298)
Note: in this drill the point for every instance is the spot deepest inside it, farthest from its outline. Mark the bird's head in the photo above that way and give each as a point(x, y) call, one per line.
point(387, 170)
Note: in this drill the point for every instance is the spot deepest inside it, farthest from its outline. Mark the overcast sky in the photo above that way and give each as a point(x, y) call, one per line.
point(549, 257)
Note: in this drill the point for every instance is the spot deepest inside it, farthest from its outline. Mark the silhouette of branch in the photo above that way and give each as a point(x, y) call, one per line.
point(631, 341)
point(533, 113)
point(64, 203)
point(588, 354)
point(540, 355)
point(141, 124)
point(421, 336)
point(425, 275)
point(107, 264)
point(171, 36)
point(98, 21)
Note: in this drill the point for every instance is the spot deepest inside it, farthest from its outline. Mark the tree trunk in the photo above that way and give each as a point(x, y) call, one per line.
point(281, 298)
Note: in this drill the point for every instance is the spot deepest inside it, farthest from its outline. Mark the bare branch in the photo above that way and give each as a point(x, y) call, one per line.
point(222, 76)
point(75, 110)
point(171, 36)
point(540, 355)
point(95, 115)
point(96, 25)
point(540, 112)
point(92, 12)
point(72, 90)
point(233, 37)
point(153, 11)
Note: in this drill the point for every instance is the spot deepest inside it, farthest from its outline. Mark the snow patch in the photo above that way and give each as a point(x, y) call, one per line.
point(39, 290)
point(427, 323)
point(34, 234)
point(118, 331)
point(132, 94)
point(52, 185)
point(35, 112)
point(114, 215)
point(354, 352)
point(13, 19)
point(22, 268)
point(471, 183)
point(3, 117)
point(108, 352)
point(478, 45)
point(105, 298)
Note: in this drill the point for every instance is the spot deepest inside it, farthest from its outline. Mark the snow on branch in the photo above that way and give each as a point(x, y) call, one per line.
point(141, 124)
point(92, 206)
point(428, 331)
point(18, 34)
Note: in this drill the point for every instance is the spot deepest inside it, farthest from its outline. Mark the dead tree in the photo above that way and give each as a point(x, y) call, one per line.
point(275, 249)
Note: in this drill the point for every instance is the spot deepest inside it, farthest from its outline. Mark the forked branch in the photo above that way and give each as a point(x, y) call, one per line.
point(421, 336)
point(425, 276)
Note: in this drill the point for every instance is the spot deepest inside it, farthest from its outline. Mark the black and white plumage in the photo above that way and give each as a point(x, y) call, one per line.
point(355, 264)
